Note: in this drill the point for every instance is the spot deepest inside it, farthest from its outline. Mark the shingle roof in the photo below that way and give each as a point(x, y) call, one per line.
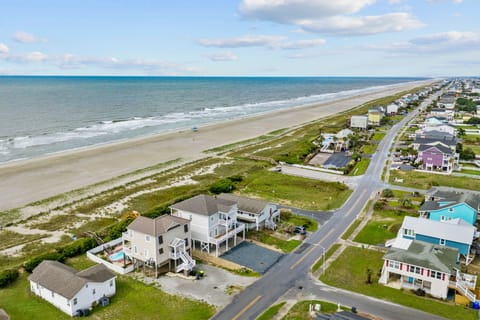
point(425, 255)
point(205, 205)
point(441, 230)
point(439, 147)
point(454, 196)
point(245, 204)
point(157, 226)
point(429, 140)
point(67, 281)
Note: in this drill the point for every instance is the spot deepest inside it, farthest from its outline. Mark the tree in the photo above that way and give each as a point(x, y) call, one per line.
point(461, 132)
point(467, 154)
point(407, 203)
point(387, 193)
point(473, 120)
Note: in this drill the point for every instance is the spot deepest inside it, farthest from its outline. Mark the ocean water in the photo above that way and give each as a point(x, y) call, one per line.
point(43, 115)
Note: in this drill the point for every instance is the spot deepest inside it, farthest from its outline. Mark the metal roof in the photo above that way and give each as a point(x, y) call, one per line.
point(442, 230)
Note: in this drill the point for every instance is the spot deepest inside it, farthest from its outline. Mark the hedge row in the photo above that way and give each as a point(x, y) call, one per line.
point(73, 249)
point(7, 277)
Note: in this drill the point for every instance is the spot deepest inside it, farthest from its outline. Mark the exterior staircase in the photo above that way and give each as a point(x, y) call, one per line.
point(180, 252)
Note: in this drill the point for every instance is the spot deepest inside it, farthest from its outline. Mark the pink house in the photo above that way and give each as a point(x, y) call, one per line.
point(437, 157)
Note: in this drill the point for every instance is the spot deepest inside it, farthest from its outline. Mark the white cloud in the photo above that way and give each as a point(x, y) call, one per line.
point(394, 1)
point(3, 48)
point(271, 42)
point(346, 25)
point(25, 37)
point(291, 11)
point(328, 17)
point(445, 42)
point(244, 41)
point(31, 57)
point(437, 1)
point(222, 56)
point(301, 44)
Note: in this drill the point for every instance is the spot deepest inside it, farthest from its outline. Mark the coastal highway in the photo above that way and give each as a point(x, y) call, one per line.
point(293, 270)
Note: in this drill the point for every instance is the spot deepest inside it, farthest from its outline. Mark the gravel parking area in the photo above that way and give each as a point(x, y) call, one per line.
point(252, 256)
point(217, 287)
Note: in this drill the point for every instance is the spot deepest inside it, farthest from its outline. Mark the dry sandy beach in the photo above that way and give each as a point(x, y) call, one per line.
point(23, 182)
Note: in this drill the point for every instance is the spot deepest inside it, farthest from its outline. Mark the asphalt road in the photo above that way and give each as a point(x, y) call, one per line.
point(295, 267)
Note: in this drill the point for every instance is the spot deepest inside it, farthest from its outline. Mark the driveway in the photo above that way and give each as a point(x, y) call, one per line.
point(217, 287)
point(253, 256)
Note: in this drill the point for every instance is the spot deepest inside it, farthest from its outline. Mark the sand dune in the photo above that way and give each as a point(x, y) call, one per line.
point(26, 181)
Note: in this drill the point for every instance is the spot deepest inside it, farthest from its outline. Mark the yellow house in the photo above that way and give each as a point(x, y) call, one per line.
point(374, 117)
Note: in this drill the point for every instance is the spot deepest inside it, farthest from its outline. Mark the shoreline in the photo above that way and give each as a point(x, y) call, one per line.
point(30, 180)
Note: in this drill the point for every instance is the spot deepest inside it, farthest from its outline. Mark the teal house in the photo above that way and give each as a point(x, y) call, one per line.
point(449, 205)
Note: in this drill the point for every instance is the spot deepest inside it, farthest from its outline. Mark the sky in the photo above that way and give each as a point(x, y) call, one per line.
point(433, 38)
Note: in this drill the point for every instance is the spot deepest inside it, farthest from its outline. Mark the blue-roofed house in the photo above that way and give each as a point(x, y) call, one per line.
point(445, 205)
point(455, 233)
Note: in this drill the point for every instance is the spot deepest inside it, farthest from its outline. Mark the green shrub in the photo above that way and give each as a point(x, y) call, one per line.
point(157, 212)
point(7, 277)
point(78, 247)
point(221, 186)
point(235, 178)
point(35, 261)
point(387, 193)
point(117, 229)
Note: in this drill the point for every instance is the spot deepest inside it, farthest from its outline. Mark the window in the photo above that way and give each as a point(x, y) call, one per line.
point(439, 275)
point(442, 242)
point(409, 232)
point(395, 264)
point(442, 218)
point(93, 291)
point(86, 286)
point(185, 228)
point(53, 294)
point(145, 253)
point(111, 283)
point(186, 242)
point(75, 301)
point(433, 274)
point(160, 251)
point(450, 209)
point(160, 239)
point(147, 238)
point(135, 249)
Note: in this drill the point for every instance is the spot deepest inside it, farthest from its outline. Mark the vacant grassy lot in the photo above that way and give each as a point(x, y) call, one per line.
point(295, 191)
point(360, 167)
point(425, 180)
point(383, 226)
point(349, 272)
point(369, 149)
point(268, 237)
point(378, 136)
point(134, 300)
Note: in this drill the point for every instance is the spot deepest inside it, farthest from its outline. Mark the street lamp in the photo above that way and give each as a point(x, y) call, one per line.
point(323, 255)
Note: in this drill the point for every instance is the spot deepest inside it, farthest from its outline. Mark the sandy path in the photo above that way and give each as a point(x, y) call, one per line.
point(26, 181)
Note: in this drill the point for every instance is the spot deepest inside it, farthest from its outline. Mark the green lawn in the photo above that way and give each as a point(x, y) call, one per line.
point(134, 300)
point(295, 191)
point(310, 224)
point(369, 149)
point(351, 229)
point(474, 147)
point(271, 312)
point(378, 136)
point(300, 310)
point(383, 226)
point(349, 272)
point(360, 167)
point(425, 180)
point(328, 254)
point(474, 172)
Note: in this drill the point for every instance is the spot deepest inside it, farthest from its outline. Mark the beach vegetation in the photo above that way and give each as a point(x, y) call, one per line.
point(10, 239)
point(348, 272)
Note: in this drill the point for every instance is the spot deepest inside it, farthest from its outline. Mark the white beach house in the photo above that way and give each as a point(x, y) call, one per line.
point(213, 221)
point(70, 290)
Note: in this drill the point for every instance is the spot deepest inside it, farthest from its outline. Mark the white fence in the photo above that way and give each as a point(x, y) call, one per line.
point(91, 254)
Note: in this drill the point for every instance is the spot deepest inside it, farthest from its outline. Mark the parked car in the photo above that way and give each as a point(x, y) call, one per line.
point(301, 230)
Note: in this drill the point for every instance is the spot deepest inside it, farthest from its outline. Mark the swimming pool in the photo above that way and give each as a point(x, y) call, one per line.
point(116, 256)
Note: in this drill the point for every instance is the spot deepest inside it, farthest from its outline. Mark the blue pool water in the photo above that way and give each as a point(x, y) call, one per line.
point(116, 256)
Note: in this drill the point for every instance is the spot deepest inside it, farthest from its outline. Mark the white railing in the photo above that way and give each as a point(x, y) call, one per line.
point(467, 293)
point(216, 240)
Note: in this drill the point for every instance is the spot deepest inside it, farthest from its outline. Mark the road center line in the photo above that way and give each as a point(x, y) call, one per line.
point(311, 249)
point(248, 306)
